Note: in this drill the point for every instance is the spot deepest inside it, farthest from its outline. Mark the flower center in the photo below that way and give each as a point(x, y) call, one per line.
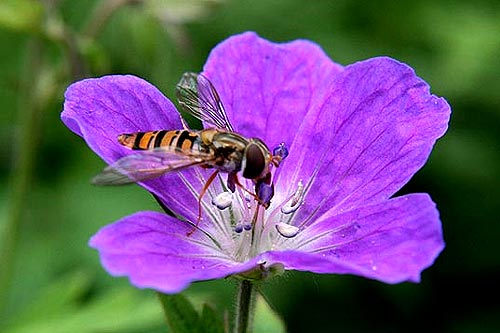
point(249, 228)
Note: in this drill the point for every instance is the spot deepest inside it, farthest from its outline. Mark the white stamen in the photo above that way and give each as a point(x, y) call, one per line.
point(223, 200)
point(296, 201)
point(288, 209)
point(287, 230)
point(248, 197)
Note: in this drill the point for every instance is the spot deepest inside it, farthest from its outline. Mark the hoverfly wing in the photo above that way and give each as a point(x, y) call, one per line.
point(198, 97)
point(147, 164)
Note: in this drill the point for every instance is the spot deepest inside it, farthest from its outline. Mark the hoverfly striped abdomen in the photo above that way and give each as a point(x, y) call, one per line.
point(180, 139)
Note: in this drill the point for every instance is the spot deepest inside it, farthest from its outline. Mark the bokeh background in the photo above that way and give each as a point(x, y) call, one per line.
point(51, 281)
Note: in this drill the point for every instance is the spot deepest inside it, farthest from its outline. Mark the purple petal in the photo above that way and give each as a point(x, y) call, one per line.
point(267, 88)
point(152, 249)
point(101, 109)
point(391, 241)
point(375, 130)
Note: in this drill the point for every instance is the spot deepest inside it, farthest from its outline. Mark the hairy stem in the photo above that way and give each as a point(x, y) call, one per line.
point(244, 306)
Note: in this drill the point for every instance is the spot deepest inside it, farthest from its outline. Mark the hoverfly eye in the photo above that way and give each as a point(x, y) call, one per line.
point(255, 162)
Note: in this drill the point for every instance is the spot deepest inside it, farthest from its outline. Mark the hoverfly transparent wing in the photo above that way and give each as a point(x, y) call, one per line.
point(198, 97)
point(148, 164)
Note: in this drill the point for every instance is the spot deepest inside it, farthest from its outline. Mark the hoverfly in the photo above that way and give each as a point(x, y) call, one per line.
point(218, 147)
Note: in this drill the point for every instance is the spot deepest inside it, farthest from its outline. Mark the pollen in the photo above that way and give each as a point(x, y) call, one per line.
point(287, 230)
point(223, 200)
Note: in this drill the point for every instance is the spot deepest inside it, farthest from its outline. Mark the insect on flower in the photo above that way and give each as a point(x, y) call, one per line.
point(217, 147)
point(358, 134)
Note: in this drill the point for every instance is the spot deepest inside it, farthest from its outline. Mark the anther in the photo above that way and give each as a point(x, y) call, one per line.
point(296, 200)
point(223, 200)
point(265, 193)
point(287, 230)
point(239, 228)
point(280, 151)
point(247, 226)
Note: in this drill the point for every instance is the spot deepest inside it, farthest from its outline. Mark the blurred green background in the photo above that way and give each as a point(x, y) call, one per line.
point(49, 210)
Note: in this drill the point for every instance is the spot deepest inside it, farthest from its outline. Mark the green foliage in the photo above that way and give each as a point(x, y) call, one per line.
point(182, 317)
point(266, 319)
point(210, 320)
point(180, 314)
point(60, 308)
point(21, 15)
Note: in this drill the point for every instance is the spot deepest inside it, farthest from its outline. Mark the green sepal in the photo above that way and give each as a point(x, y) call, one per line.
point(261, 272)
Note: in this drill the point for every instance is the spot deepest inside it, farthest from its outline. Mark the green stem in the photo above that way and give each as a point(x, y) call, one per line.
point(22, 169)
point(244, 306)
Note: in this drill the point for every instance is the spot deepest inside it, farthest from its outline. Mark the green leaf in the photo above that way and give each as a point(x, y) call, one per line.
point(180, 314)
point(21, 15)
point(266, 319)
point(123, 309)
point(210, 322)
point(55, 299)
point(61, 308)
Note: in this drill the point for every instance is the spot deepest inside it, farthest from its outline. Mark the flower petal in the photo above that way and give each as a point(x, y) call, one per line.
point(101, 109)
point(267, 88)
point(391, 241)
point(152, 249)
point(375, 130)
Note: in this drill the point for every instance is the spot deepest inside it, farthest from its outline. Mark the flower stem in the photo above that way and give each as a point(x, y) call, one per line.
point(244, 307)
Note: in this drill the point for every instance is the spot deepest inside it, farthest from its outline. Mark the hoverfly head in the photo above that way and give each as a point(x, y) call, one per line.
point(256, 157)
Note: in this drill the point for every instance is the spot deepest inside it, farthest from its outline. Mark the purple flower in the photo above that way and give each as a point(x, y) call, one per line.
point(355, 134)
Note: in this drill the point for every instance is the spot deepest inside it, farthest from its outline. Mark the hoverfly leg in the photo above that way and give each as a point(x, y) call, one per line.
point(200, 196)
point(254, 195)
